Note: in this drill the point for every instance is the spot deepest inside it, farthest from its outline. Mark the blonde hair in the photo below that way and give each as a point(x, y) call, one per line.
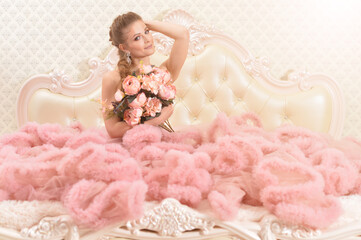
point(116, 36)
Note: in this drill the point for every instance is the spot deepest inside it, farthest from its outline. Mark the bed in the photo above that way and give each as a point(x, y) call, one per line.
point(219, 75)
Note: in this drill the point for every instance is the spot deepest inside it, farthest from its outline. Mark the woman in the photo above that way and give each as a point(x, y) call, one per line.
point(131, 35)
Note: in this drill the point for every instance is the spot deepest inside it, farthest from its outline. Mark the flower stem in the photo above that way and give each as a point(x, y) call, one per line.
point(166, 125)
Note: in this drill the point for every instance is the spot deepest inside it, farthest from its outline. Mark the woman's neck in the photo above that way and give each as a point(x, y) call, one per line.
point(136, 61)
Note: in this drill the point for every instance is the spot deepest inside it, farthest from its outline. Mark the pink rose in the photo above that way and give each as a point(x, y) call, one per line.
point(150, 84)
point(118, 95)
point(147, 69)
point(152, 107)
point(132, 116)
point(157, 69)
point(167, 92)
point(131, 85)
point(157, 78)
point(164, 75)
point(139, 101)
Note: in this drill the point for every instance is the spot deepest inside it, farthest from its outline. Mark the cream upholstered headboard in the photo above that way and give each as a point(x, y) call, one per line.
point(219, 75)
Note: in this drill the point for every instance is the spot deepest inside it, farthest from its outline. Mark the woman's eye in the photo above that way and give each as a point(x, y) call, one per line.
point(137, 38)
point(146, 31)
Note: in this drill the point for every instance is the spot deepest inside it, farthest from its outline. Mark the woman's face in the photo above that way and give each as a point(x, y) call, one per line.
point(139, 41)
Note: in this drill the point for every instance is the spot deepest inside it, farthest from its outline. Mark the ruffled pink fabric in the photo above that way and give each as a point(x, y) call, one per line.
point(295, 173)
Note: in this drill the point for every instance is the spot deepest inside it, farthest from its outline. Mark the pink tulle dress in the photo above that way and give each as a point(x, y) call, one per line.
point(295, 173)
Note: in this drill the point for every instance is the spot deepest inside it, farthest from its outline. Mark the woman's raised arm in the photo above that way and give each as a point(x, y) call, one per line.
point(179, 50)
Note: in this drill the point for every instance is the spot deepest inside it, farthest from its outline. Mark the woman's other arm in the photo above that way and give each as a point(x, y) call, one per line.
point(179, 50)
point(165, 114)
point(114, 127)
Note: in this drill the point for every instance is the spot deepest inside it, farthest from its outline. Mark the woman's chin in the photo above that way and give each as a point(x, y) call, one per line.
point(150, 50)
point(148, 53)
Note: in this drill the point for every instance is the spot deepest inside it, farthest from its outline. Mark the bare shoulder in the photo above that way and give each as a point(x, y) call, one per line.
point(111, 78)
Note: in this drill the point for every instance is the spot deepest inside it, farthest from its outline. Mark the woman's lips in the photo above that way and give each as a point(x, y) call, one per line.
point(150, 46)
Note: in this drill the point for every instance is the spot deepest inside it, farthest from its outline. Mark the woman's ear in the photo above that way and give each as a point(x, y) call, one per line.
point(122, 47)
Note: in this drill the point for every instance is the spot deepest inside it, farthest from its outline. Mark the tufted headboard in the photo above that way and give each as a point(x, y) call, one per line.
point(219, 75)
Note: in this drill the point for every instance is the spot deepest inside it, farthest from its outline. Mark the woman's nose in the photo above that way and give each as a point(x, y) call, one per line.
point(146, 38)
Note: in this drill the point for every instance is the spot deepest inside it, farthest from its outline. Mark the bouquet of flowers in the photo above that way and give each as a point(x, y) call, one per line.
point(142, 97)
